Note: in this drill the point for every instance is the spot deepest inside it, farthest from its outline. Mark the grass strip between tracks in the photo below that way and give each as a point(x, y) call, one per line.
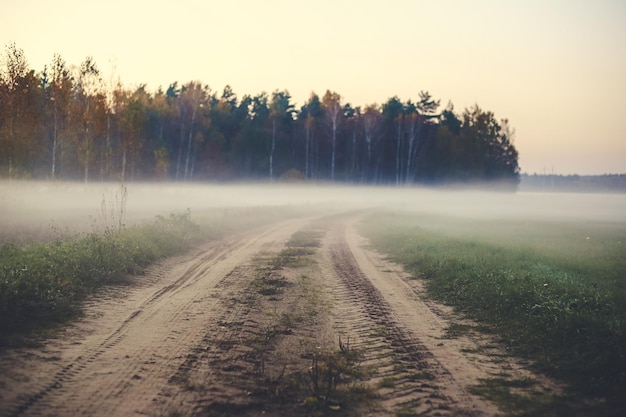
point(555, 299)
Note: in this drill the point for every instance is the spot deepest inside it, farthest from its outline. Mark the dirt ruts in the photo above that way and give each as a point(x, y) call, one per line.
point(118, 359)
point(236, 327)
point(409, 378)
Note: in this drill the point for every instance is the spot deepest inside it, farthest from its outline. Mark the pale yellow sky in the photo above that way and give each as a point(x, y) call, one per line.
point(555, 68)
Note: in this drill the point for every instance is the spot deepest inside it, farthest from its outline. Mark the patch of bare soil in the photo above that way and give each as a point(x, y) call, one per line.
point(261, 323)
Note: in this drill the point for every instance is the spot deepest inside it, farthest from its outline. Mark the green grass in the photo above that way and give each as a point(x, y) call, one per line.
point(44, 284)
point(554, 291)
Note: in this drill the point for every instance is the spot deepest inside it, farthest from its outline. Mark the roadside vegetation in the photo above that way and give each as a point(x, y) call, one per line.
point(42, 285)
point(553, 292)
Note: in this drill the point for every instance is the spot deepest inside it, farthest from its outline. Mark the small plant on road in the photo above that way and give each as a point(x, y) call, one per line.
point(330, 369)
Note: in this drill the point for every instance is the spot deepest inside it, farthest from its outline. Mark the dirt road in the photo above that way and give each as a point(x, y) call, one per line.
point(295, 318)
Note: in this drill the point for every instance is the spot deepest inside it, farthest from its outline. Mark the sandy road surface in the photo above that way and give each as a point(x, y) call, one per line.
point(204, 334)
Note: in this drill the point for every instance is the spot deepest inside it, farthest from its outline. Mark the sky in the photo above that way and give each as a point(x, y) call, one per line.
point(556, 69)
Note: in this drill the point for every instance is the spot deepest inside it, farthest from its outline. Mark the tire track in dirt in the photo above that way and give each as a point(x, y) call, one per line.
point(422, 369)
point(211, 374)
point(407, 376)
point(121, 372)
point(253, 360)
point(91, 354)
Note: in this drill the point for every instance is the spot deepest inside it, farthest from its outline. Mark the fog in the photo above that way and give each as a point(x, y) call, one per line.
point(33, 207)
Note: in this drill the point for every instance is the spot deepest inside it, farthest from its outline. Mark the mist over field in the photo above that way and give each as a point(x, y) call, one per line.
point(35, 207)
point(544, 269)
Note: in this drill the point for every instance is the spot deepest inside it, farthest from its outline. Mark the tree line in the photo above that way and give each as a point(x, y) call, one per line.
point(66, 122)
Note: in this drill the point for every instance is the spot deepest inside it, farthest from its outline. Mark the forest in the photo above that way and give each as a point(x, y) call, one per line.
point(67, 122)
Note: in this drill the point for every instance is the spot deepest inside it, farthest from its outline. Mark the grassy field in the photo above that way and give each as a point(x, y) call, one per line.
point(554, 291)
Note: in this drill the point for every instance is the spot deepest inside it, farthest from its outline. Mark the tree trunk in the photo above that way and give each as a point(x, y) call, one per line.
point(193, 164)
point(332, 163)
point(408, 160)
point(306, 152)
point(87, 154)
point(398, 142)
point(272, 148)
point(368, 169)
point(413, 150)
point(180, 148)
point(193, 118)
point(109, 152)
point(54, 145)
point(315, 157)
point(353, 175)
point(123, 165)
